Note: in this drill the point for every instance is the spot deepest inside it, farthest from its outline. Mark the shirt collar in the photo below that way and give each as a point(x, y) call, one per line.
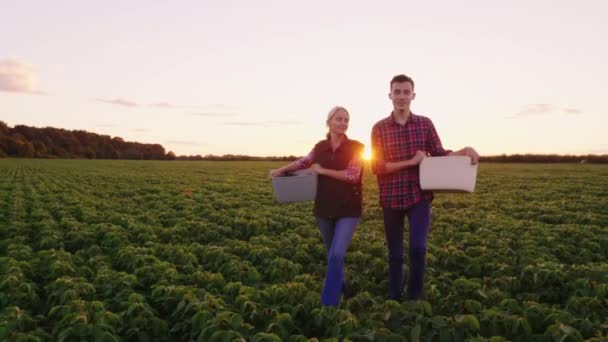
point(413, 118)
point(328, 142)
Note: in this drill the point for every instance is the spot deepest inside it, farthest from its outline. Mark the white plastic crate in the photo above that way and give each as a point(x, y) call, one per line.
point(297, 186)
point(448, 174)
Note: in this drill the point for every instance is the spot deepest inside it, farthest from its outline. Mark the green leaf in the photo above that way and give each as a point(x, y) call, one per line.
point(415, 334)
point(472, 306)
point(3, 332)
point(236, 321)
point(469, 322)
point(426, 306)
point(444, 335)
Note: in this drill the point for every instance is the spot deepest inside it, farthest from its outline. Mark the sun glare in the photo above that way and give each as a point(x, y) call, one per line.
point(367, 153)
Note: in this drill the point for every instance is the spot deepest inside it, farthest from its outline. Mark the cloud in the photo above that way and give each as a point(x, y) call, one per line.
point(128, 103)
point(218, 110)
point(217, 107)
point(167, 105)
point(214, 114)
point(538, 109)
point(262, 123)
point(535, 109)
point(222, 106)
point(572, 111)
point(140, 130)
point(164, 105)
point(183, 142)
point(119, 102)
point(17, 77)
point(209, 109)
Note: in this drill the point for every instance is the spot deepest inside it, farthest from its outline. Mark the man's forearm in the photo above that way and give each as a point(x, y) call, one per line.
point(461, 152)
point(337, 174)
point(467, 151)
point(391, 167)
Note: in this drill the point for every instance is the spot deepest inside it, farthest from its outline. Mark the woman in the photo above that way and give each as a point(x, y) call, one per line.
point(338, 204)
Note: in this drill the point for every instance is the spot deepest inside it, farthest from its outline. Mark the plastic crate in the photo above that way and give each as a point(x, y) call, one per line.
point(448, 174)
point(297, 186)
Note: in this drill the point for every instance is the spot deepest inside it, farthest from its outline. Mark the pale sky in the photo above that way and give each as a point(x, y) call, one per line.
point(258, 77)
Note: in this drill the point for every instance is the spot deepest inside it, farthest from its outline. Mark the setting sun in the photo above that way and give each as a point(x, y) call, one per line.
point(367, 153)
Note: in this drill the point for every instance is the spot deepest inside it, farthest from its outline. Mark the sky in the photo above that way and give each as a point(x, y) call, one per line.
point(258, 77)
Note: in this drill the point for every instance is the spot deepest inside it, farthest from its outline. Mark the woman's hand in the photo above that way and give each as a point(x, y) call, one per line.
point(317, 168)
point(276, 173)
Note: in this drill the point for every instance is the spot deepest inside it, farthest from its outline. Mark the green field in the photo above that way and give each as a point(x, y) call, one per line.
point(180, 251)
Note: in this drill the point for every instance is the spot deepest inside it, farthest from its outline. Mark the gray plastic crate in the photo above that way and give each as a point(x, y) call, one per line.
point(298, 186)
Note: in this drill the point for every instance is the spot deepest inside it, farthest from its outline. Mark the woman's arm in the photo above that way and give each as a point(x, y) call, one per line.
point(299, 164)
point(352, 173)
point(337, 174)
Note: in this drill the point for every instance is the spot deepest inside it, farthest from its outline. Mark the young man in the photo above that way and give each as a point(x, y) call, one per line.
point(399, 143)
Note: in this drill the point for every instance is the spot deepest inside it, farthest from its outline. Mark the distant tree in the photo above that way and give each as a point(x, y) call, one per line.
point(170, 155)
point(3, 146)
point(3, 128)
point(4, 132)
point(20, 147)
point(155, 151)
point(40, 150)
point(49, 142)
point(90, 153)
point(131, 152)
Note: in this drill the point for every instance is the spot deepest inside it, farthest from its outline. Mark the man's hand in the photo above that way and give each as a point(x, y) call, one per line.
point(471, 153)
point(418, 157)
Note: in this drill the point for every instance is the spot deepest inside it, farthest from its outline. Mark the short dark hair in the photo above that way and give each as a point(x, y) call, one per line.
point(401, 79)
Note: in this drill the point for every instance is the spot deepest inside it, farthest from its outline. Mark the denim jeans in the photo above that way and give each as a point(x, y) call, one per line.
point(419, 217)
point(336, 234)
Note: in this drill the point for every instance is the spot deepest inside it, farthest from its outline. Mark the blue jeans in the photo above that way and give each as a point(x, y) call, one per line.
point(419, 217)
point(336, 234)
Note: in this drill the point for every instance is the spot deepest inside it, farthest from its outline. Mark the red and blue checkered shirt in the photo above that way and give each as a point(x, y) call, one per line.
point(393, 142)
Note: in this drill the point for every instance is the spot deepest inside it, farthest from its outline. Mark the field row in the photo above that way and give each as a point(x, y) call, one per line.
point(126, 250)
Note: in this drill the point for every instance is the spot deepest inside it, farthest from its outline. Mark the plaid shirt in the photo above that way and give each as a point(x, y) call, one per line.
point(353, 171)
point(393, 142)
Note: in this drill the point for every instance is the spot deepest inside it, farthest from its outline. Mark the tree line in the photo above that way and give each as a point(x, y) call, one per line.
point(237, 157)
point(31, 142)
point(546, 158)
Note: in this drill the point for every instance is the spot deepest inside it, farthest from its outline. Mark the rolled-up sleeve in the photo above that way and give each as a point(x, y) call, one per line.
point(355, 167)
point(306, 161)
point(435, 147)
point(378, 162)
